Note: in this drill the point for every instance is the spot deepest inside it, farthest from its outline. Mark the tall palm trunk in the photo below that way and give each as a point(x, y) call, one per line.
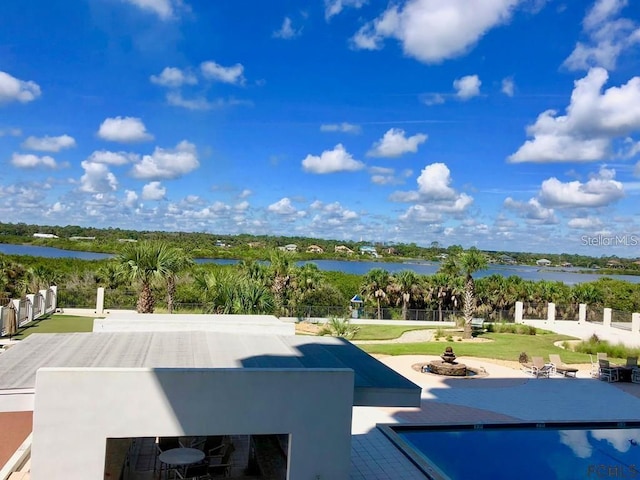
point(468, 306)
point(146, 303)
point(171, 292)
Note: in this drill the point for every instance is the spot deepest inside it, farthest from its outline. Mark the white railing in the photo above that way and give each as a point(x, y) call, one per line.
point(27, 309)
point(626, 333)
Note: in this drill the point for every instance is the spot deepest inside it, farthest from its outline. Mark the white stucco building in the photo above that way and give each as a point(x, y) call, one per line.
point(167, 377)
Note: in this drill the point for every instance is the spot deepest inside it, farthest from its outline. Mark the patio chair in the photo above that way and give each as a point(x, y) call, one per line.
point(607, 372)
point(635, 375)
point(561, 367)
point(198, 471)
point(222, 467)
point(632, 362)
point(538, 368)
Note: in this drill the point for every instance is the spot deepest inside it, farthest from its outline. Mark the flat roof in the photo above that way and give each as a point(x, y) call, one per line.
point(375, 383)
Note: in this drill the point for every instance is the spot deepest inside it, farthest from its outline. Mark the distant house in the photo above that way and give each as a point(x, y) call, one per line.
point(315, 249)
point(369, 250)
point(127, 240)
point(220, 243)
point(343, 249)
point(391, 251)
point(566, 265)
point(543, 262)
point(614, 264)
point(507, 259)
point(45, 235)
point(255, 244)
point(292, 247)
point(82, 238)
point(443, 256)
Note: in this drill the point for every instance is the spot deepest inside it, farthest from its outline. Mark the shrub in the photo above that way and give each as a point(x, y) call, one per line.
point(339, 327)
point(523, 358)
point(449, 338)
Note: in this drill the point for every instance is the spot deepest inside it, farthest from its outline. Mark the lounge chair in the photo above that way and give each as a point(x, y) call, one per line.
point(632, 362)
point(561, 367)
point(538, 368)
point(607, 372)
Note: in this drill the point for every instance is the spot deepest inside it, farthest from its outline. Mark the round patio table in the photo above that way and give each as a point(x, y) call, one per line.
point(181, 456)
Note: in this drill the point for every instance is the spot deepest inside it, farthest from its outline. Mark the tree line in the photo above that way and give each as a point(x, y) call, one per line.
point(155, 274)
point(259, 247)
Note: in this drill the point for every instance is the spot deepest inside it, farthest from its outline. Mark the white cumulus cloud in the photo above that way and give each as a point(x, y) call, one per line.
point(435, 30)
point(112, 158)
point(467, 87)
point(168, 163)
point(282, 207)
point(395, 143)
point(214, 71)
point(15, 90)
point(532, 211)
point(124, 130)
point(599, 191)
point(331, 161)
point(97, 178)
point(592, 120)
point(607, 36)
point(153, 191)
point(49, 144)
point(173, 77)
point(32, 161)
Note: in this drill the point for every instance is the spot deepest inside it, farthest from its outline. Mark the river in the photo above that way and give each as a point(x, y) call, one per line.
point(569, 276)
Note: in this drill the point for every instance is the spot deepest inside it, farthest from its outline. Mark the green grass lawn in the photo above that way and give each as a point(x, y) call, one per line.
point(503, 346)
point(56, 324)
point(382, 332)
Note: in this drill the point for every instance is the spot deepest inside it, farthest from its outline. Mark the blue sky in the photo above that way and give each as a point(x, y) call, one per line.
point(503, 124)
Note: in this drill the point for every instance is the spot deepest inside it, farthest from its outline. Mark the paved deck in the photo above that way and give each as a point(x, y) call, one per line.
point(506, 394)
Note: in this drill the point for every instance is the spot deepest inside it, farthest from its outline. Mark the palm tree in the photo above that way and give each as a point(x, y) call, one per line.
point(376, 283)
point(177, 261)
point(281, 269)
point(406, 283)
point(465, 264)
point(471, 261)
point(144, 263)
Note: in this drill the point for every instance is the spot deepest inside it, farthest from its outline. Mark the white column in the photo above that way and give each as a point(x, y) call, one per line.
point(635, 322)
point(582, 313)
point(54, 289)
point(606, 318)
point(518, 315)
point(551, 312)
point(30, 297)
point(100, 301)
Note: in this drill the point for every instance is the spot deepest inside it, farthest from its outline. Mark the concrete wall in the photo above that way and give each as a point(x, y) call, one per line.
point(76, 410)
point(158, 322)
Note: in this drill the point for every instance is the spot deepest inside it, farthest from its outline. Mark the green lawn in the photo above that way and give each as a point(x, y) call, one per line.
point(504, 346)
point(382, 332)
point(56, 324)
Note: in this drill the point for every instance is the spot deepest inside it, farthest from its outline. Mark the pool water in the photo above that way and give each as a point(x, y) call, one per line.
point(566, 451)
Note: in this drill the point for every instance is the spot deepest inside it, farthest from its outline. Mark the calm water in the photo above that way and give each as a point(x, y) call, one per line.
point(533, 453)
point(566, 275)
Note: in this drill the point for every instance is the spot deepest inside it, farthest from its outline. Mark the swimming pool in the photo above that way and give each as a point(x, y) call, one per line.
point(542, 451)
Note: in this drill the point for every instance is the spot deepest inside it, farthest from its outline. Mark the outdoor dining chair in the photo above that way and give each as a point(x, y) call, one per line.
point(607, 372)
